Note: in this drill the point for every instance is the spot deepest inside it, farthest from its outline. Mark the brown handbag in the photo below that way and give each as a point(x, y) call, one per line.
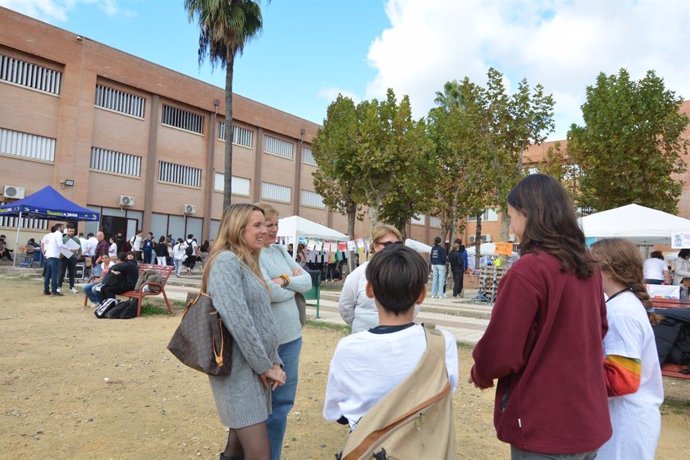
point(202, 341)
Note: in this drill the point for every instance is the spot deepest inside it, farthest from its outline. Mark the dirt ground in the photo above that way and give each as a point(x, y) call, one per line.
point(76, 387)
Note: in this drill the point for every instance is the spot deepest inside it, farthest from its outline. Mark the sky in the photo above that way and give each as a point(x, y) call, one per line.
point(311, 50)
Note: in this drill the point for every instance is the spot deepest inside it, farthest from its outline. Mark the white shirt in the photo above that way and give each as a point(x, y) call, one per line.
point(112, 250)
point(178, 252)
point(366, 366)
point(136, 243)
point(52, 243)
point(93, 242)
point(635, 417)
point(84, 245)
point(653, 269)
point(356, 309)
point(681, 269)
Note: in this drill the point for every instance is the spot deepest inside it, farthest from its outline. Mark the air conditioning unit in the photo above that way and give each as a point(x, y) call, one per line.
point(13, 192)
point(189, 209)
point(127, 201)
point(488, 238)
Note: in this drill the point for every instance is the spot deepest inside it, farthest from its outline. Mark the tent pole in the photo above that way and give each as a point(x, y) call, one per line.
point(16, 241)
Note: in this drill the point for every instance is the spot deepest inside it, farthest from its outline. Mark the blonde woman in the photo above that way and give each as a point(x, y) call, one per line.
point(356, 309)
point(284, 278)
point(239, 293)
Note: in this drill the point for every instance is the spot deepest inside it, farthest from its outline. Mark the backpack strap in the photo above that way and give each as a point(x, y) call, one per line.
point(435, 352)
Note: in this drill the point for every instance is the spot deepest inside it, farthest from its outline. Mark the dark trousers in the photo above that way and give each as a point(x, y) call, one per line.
point(69, 266)
point(457, 281)
point(109, 292)
point(52, 272)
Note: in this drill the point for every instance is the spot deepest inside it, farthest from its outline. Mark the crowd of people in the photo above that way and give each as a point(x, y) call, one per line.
point(569, 342)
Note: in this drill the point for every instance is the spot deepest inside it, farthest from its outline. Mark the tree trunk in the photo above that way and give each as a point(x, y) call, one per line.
point(505, 226)
point(227, 190)
point(478, 242)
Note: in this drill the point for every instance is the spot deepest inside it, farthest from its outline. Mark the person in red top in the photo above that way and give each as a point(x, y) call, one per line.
point(544, 340)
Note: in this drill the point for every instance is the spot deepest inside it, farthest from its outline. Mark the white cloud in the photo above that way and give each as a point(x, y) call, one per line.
point(57, 10)
point(562, 44)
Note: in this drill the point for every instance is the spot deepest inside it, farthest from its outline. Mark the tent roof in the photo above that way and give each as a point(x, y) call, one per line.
point(297, 226)
point(637, 223)
point(48, 203)
point(486, 249)
point(417, 245)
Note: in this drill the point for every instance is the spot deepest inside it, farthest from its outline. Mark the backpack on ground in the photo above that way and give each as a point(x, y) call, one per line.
point(104, 306)
point(126, 309)
point(415, 419)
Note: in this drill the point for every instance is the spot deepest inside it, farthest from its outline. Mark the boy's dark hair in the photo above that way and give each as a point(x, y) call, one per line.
point(397, 275)
point(437, 240)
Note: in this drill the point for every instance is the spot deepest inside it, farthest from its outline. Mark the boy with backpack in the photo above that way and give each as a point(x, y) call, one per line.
point(372, 371)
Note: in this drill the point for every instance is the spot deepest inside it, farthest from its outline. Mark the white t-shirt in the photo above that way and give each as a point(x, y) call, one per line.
point(653, 269)
point(52, 243)
point(367, 366)
point(136, 243)
point(93, 242)
point(635, 417)
point(112, 250)
point(357, 310)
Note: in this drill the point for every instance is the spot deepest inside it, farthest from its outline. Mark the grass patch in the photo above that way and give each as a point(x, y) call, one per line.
point(344, 330)
point(676, 405)
point(153, 310)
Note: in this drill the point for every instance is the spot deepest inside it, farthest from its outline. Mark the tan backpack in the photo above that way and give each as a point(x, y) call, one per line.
point(414, 420)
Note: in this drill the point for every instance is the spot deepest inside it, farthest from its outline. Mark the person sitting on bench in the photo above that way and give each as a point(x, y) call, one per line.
point(121, 277)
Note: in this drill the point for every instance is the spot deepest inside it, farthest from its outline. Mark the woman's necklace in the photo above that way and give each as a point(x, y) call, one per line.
point(617, 293)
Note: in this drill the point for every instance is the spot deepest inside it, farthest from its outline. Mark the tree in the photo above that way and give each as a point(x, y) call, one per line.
point(335, 154)
point(225, 28)
point(630, 146)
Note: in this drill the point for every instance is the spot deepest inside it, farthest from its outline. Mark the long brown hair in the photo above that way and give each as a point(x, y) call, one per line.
point(551, 223)
point(622, 261)
point(231, 238)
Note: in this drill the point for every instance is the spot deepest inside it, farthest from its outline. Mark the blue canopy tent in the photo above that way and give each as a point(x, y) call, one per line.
point(47, 203)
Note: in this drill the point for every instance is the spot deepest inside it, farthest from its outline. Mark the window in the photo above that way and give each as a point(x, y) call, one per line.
point(179, 174)
point(119, 101)
point(434, 222)
point(11, 222)
point(240, 185)
point(276, 192)
point(240, 136)
point(308, 156)
point(489, 215)
point(183, 119)
point(27, 145)
point(115, 162)
point(418, 220)
point(30, 75)
point(278, 147)
point(312, 200)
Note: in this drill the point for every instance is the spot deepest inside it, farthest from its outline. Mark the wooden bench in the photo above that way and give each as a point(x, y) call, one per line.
point(164, 271)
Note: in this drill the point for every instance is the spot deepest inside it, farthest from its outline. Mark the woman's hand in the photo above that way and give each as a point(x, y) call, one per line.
point(274, 377)
point(296, 271)
point(279, 281)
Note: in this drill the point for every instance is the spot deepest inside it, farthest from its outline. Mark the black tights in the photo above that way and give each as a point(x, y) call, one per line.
point(248, 443)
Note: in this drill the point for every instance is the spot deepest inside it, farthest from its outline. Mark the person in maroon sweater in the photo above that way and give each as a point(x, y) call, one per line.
point(544, 342)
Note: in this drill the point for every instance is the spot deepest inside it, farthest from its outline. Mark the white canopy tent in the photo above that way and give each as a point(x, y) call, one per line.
point(296, 227)
point(643, 226)
point(486, 249)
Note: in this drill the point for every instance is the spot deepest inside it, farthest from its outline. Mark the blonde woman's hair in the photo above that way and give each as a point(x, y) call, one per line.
point(621, 260)
point(231, 238)
point(269, 211)
point(381, 230)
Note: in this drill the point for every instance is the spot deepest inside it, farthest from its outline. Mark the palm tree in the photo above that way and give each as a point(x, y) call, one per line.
point(450, 97)
point(225, 27)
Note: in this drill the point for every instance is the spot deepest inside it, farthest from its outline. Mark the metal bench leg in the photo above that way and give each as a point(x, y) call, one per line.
point(167, 304)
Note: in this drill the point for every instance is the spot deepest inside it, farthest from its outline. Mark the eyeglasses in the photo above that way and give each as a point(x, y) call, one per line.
point(385, 244)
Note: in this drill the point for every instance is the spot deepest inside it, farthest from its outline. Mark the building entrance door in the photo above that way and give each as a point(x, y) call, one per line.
point(113, 225)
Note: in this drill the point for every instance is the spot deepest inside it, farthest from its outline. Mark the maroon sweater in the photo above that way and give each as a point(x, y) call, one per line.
point(544, 344)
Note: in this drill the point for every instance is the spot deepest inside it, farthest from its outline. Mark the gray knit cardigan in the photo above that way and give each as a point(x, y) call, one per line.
point(244, 305)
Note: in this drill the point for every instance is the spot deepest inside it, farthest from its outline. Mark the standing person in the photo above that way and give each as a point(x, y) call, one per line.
point(654, 269)
point(52, 244)
point(178, 256)
point(544, 342)
point(101, 247)
point(112, 248)
point(284, 278)
point(69, 264)
point(161, 251)
point(190, 248)
point(356, 308)
point(91, 243)
point(633, 374)
point(147, 248)
point(234, 281)
point(457, 268)
point(681, 267)
point(135, 241)
point(438, 260)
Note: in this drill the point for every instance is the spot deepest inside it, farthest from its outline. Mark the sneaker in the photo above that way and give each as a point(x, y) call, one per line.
point(46, 292)
point(73, 290)
point(59, 290)
point(58, 293)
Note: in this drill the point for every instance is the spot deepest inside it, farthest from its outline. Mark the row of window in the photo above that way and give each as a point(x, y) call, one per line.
point(240, 136)
point(27, 145)
point(22, 73)
point(120, 101)
point(27, 223)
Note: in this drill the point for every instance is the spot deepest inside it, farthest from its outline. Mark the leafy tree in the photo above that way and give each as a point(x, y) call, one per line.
point(631, 143)
point(335, 154)
point(225, 28)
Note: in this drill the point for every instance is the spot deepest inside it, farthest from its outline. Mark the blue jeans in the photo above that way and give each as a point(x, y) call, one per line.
point(438, 280)
point(94, 297)
point(52, 274)
point(283, 398)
